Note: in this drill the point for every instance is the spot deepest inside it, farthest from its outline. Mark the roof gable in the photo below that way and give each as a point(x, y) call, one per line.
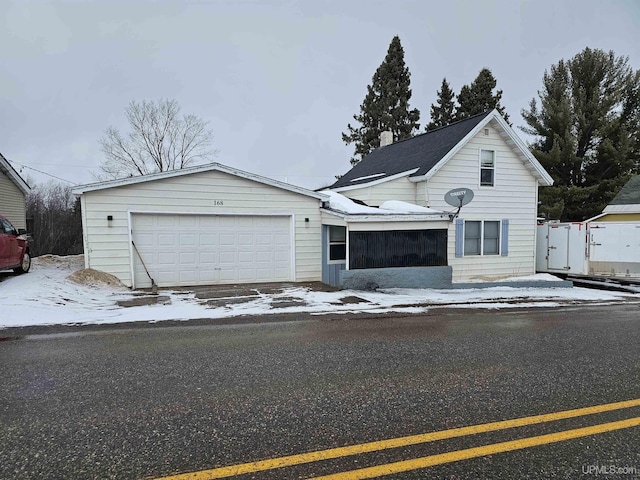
point(193, 170)
point(9, 171)
point(422, 156)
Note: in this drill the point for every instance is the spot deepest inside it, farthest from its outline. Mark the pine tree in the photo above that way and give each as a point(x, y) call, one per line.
point(478, 97)
point(587, 131)
point(443, 112)
point(385, 107)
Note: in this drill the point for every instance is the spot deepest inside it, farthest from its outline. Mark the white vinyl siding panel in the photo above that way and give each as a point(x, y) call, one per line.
point(108, 243)
point(513, 198)
point(12, 202)
point(399, 189)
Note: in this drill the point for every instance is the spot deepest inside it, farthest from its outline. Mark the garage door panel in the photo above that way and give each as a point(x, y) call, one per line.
point(280, 272)
point(207, 257)
point(227, 222)
point(207, 239)
point(282, 240)
point(228, 239)
point(208, 222)
point(187, 221)
point(246, 240)
point(187, 239)
point(246, 257)
point(165, 278)
point(188, 259)
point(166, 258)
point(207, 249)
point(209, 276)
point(264, 240)
point(281, 256)
point(145, 239)
point(228, 275)
point(165, 239)
point(187, 277)
point(245, 222)
point(264, 256)
point(167, 221)
point(246, 274)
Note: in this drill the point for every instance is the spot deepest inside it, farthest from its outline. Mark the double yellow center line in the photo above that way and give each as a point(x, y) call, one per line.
point(403, 466)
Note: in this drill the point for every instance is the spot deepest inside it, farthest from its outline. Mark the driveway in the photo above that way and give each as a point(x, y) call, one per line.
point(47, 296)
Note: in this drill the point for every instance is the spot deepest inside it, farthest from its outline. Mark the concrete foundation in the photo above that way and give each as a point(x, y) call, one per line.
point(397, 277)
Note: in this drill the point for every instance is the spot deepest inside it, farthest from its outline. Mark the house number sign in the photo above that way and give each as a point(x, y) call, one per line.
point(217, 203)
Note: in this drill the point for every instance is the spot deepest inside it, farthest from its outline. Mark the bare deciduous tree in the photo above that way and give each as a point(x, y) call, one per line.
point(54, 220)
point(160, 140)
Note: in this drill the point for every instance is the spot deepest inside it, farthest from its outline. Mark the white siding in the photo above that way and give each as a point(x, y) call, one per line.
point(107, 244)
point(513, 197)
point(398, 189)
point(12, 202)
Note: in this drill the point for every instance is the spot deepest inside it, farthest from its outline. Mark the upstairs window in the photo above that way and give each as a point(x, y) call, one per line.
point(487, 168)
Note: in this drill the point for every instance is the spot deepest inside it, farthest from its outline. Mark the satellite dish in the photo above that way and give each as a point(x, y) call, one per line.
point(458, 197)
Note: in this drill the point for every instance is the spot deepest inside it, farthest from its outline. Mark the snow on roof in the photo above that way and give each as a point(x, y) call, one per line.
point(340, 203)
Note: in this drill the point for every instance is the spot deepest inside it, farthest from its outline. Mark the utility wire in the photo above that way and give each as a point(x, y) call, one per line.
point(40, 171)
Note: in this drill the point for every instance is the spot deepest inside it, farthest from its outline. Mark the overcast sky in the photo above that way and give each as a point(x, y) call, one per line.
point(278, 81)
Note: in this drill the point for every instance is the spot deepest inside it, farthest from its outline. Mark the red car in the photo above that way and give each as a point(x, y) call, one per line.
point(14, 248)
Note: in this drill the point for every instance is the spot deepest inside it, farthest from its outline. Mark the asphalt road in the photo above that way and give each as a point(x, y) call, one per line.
point(157, 400)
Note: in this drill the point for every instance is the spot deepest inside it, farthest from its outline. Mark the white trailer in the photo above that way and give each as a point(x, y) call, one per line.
point(591, 248)
point(562, 248)
point(614, 249)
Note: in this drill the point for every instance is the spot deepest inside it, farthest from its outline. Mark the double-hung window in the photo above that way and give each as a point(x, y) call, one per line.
point(482, 237)
point(337, 244)
point(487, 168)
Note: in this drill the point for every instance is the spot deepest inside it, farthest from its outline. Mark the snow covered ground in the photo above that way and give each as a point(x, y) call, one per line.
point(45, 296)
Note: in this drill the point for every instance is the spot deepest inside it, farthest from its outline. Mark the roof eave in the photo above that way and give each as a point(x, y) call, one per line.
point(623, 208)
point(14, 176)
point(374, 182)
point(538, 171)
point(92, 187)
point(387, 217)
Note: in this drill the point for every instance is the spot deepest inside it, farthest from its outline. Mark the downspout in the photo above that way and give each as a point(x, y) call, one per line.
point(85, 236)
point(426, 193)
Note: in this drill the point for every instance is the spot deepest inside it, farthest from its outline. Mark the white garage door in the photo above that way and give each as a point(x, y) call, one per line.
point(206, 249)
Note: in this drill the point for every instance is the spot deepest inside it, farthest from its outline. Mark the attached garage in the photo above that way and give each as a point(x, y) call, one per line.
point(204, 225)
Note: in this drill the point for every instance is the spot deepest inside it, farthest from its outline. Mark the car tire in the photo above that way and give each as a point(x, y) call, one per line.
point(26, 264)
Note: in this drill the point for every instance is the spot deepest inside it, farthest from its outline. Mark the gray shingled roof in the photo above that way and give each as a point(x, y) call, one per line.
point(629, 194)
point(422, 152)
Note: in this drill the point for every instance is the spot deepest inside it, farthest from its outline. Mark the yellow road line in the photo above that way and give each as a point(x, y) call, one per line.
point(338, 452)
point(406, 465)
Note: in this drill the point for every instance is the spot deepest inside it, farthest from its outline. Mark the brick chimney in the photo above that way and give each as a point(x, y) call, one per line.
point(386, 138)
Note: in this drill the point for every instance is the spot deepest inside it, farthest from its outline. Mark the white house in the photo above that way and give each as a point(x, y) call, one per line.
point(492, 237)
point(202, 225)
point(384, 223)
